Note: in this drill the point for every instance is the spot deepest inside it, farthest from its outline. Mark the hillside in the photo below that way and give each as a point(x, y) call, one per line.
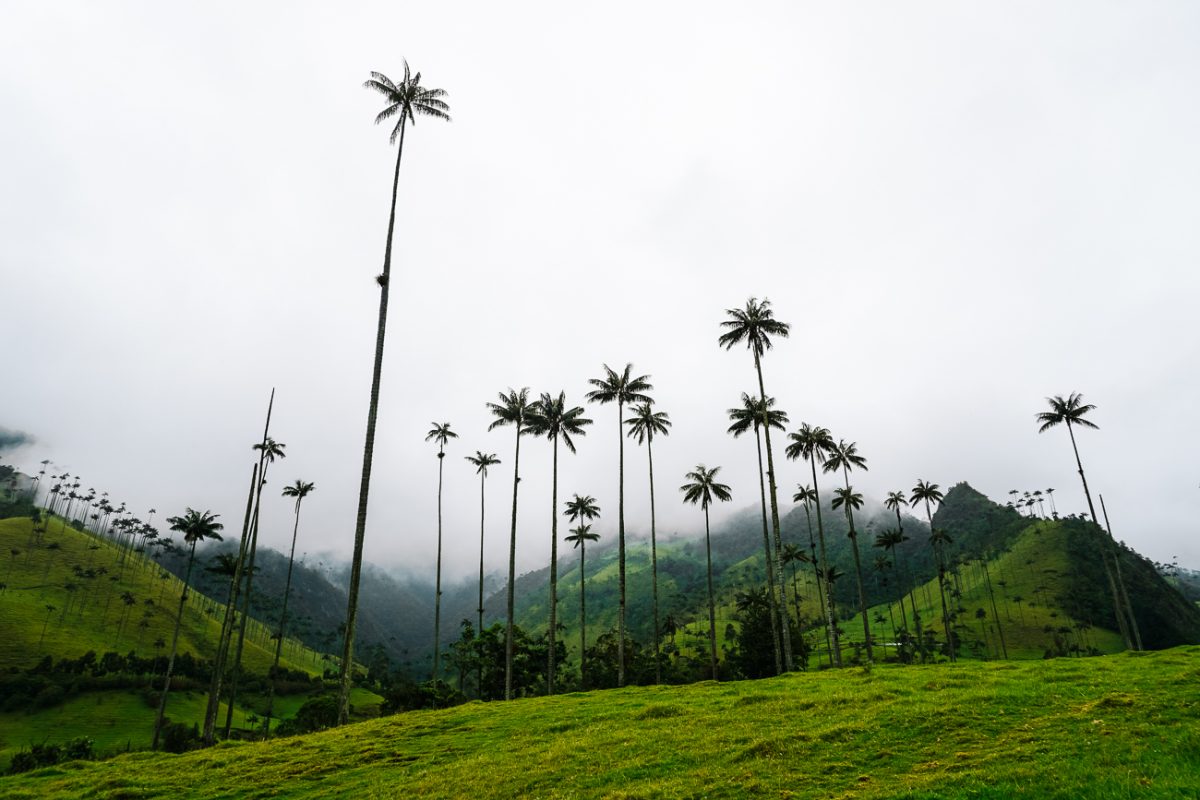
point(1117, 726)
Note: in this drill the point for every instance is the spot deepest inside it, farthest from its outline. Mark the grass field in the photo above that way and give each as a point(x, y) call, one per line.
point(1106, 727)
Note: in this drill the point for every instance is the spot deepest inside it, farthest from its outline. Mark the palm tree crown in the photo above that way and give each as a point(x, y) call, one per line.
point(755, 325)
point(581, 507)
point(550, 417)
point(926, 492)
point(1071, 411)
point(482, 461)
point(197, 526)
point(581, 535)
point(704, 487)
point(407, 100)
point(513, 409)
point(810, 442)
point(751, 413)
point(440, 434)
point(623, 389)
point(299, 490)
point(646, 422)
point(844, 456)
point(894, 501)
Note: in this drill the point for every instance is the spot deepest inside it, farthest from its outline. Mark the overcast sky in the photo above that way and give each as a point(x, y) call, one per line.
point(960, 210)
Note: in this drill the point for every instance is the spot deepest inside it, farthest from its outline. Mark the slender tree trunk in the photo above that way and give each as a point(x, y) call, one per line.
point(941, 564)
point(236, 673)
point(995, 614)
point(512, 575)
point(162, 701)
point(654, 562)
point(360, 524)
point(287, 590)
point(768, 558)
point(712, 610)
point(862, 597)
point(912, 595)
point(812, 548)
point(437, 591)
point(621, 542)
point(582, 617)
point(479, 632)
point(836, 651)
point(552, 639)
point(781, 605)
point(1133, 625)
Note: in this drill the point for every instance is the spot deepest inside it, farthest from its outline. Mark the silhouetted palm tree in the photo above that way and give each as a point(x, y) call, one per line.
point(482, 461)
point(550, 417)
point(195, 527)
point(1071, 412)
point(513, 409)
point(581, 508)
point(844, 456)
point(298, 490)
point(644, 423)
point(930, 495)
point(808, 496)
point(440, 434)
point(623, 389)
point(895, 538)
point(405, 101)
point(755, 325)
point(703, 487)
point(750, 416)
point(814, 444)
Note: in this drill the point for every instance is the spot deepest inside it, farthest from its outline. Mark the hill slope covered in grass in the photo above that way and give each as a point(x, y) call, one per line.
point(1116, 726)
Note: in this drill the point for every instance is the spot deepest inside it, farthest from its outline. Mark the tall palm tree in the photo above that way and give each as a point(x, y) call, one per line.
point(793, 555)
point(644, 423)
point(930, 495)
point(702, 488)
point(844, 456)
point(808, 496)
point(298, 490)
point(580, 509)
point(440, 434)
point(550, 417)
point(750, 415)
point(513, 409)
point(195, 526)
point(482, 461)
point(814, 443)
point(897, 537)
point(405, 101)
point(1073, 412)
point(755, 325)
point(624, 389)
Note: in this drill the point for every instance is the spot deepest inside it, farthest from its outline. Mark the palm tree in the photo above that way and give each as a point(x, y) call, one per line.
point(897, 537)
point(808, 495)
point(195, 526)
point(550, 417)
point(644, 423)
point(814, 444)
point(703, 487)
point(755, 325)
point(581, 508)
point(1072, 412)
point(299, 490)
point(750, 416)
point(623, 389)
point(482, 461)
point(440, 434)
point(930, 494)
point(405, 100)
point(513, 409)
point(844, 456)
point(793, 555)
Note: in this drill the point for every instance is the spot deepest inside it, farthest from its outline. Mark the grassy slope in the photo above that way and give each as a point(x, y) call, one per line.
point(1117, 726)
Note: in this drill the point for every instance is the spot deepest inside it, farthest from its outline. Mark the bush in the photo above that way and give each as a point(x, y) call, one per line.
point(47, 755)
point(177, 737)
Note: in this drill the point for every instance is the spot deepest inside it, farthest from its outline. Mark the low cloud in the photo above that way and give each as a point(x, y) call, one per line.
point(11, 440)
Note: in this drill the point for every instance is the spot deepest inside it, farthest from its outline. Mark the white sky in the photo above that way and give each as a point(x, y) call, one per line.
point(960, 208)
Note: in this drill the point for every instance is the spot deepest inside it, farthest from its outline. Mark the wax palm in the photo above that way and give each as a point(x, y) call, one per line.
point(702, 489)
point(814, 443)
point(808, 496)
point(624, 389)
point(297, 491)
point(581, 508)
point(482, 461)
point(889, 540)
point(441, 434)
point(749, 416)
point(196, 526)
point(513, 409)
point(793, 555)
point(844, 456)
point(1073, 412)
point(754, 326)
point(404, 102)
point(931, 495)
point(893, 502)
point(550, 417)
point(643, 425)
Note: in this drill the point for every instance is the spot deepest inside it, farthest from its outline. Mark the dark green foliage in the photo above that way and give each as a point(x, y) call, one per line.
point(317, 714)
point(47, 755)
point(179, 737)
point(752, 655)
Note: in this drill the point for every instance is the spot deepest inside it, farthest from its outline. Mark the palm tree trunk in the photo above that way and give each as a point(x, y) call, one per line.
point(479, 632)
point(162, 701)
point(360, 523)
point(287, 590)
point(941, 564)
point(912, 595)
point(1133, 625)
point(621, 542)
point(437, 591)
point(862, 598)
point(236, 673)
point(767, 557)
point(582, 617)
point(995, 613)
point(712, 610)
point(552, 638)
point(512, 575)
point(836, 650)
point(812, 547)
point(1108, 571)
point(781, 607)
point(654, 562)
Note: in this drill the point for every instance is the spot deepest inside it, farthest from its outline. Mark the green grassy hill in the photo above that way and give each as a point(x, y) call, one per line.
point(1116, 726)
